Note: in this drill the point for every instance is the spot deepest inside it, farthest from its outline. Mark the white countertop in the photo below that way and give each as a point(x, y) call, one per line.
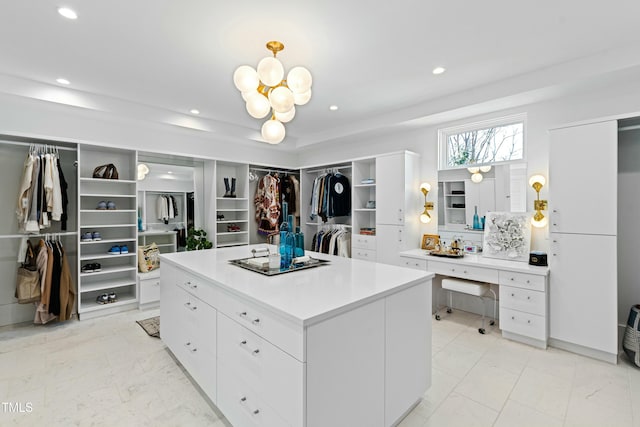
point(480, 261)
point(305, 296)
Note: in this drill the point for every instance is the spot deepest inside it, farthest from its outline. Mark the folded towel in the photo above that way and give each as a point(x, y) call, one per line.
point(260, 262)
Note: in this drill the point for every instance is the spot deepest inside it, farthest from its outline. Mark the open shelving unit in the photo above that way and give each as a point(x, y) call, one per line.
point(235, 210)
point(364, 216)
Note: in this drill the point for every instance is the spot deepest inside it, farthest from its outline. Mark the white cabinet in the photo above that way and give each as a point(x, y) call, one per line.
point(583, 166)
point(107, 241)
point(391, 240)
point(391, 180)
point(583, 294)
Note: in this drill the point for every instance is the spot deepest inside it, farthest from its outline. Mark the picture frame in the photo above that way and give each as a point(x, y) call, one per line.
point(429, 241)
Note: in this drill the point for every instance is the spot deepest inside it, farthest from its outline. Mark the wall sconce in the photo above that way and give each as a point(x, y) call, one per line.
point(143, 170)
point(476, 176)
point(538, 220)
point(425, 218)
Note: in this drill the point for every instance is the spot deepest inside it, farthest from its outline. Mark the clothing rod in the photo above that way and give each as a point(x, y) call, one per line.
point(28, 236)
point(37, 144)
point(329, 168)
point(273, 170)
point(633, 127)
point(181, 193)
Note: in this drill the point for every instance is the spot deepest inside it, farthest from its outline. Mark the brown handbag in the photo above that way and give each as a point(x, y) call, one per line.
point(28, 279)
point(108, 171)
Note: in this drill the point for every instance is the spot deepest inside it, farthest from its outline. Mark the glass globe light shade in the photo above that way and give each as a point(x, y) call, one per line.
point(286, 117)
point(425, 218)
point(245, 95)
point(273, 131)
point(245, 78)
point(281, 99)
point(539, 224)
point(270, 71)
point(302, 98)
point(257, 105)
point(299, 80)
point(537, 178)
point(485, 169)
point(426, 186)
point(476, 177)
point(474, 169)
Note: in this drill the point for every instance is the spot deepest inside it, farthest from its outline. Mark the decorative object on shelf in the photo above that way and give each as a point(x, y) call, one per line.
point(507, 235)
point(108, 171)
point(266, 91)
point(368, 181)
point(229, 191)
point(197, 240)
point(425, 218)
point(476, 220)
point(371, 204)
point(143, 170)
point(430, 241)
point(538, 258)
point(538, 220)
point(148, 257)
point(476, 176)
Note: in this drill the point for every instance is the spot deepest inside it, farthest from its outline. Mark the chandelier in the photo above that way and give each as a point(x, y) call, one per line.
point(267, 92)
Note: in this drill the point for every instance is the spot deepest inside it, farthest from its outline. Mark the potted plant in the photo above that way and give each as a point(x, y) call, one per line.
point(197, 239)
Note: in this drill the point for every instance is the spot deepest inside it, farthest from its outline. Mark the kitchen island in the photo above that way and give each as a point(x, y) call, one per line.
point(344, 344)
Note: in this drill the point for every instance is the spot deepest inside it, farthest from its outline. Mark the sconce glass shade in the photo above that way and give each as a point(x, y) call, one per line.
point(539, 223)
point(476, 177)
point(425, 186)
point(474, 169)
point(270, 71)
point(245, 78)
point(537, 179)
point(281, 99)
point(257, 105)
point(302, 98)
point(425, 218)
point(299, 80)
point(286, 117)
point(485, 169)
point(273, 131)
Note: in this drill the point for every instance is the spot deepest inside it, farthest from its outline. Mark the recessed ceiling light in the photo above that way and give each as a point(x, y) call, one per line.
point(438, 70)
point(333, 107)
point(63, 81)
point(169, 172)
point(194, 111)
point(67, 13)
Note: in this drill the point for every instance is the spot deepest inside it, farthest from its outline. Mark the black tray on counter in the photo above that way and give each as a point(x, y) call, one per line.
point(311, 263)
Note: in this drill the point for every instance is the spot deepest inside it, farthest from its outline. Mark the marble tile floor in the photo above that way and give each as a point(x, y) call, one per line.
point(108, 372)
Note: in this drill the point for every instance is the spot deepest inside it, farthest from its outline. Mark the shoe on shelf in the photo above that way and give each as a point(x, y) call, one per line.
point(219, 217)
point(227, 189)
point(115, 250)
point(102, 205)
point(87, 268)
point(86, 237)
point(124, 249)
point(111, 206)
point(102, 299)
point(96, 267)
point(112, 297)
point(95, 236)
point(233, 188)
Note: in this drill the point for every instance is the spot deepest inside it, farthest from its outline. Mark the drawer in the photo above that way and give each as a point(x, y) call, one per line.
point(149, 291)
point(279, 331)
point(242, 406)
point(523, 280)
point(365, 254)
point(488, 275)
point(194, 285)
point(526, 324)
point(418, 264)
point(199, 359)
point(363, 242)
point(275, 376)
point(523, 300)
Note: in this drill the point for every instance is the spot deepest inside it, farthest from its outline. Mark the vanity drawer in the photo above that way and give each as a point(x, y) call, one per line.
point(526, 324)
point(280, 332)
point(523, 280)
point(488, 275)
point(363, 242)
point(276, 377)
point(418, 264)
point(523, 300)
point(364, 254)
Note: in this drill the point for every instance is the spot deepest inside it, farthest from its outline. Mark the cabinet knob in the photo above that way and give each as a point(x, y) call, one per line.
point(464, 271)
point(453, 269)
point(256, 351)
point(555, 224)
point(511, 279)
point(528, 282)
point(555, 211)
point(513, 295)
point(242, 314)
point(528, 321)
point(528, 298)
point(256, 412)
point(513, 318)
point(256, 321)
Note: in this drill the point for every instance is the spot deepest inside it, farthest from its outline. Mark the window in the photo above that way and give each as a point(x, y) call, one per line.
point(489, 142)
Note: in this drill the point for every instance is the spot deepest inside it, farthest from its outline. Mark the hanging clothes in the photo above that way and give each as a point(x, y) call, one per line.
point(296, 192)
point(330, 196)
point(267, 203)
point(333, 242)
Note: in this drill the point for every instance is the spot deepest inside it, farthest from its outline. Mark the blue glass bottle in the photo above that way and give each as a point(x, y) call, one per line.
point(476, 220)
point(299, 238)
point(285, 237)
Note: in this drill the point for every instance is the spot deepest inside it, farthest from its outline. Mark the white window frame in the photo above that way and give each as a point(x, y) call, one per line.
point(443, 135)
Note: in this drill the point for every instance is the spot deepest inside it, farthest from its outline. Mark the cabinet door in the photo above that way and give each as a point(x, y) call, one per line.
point(583, 298)
point(390, 189)
point(583, 175)
point(391, 241)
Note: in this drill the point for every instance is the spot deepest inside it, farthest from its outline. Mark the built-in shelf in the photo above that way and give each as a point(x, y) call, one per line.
point(229, 233)
point(95, 242)
point(107, 210)
point(365, 210)
point(112, 181)
point(107, 284)
point(85, 226)
point(364, 185)
point(89, 304)
point(109, 270)
point(232, 198)
point(227, 245)
point(29, 236)
point(107, 195)
point(105, 256)
point(232, 221)
point(231, 210)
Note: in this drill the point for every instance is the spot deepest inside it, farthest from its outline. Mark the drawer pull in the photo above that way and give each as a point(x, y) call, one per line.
point(254, 411)
point(453, 269)
point(528, 281)
point(513, 295)
point(512, 279)
point(253, 352)
point(256, 351)
point(188, 305)
point(513, 318)
point(192, 285)
point(243, 314)
point(464, 271)
point(529, 298)
point(256, 321)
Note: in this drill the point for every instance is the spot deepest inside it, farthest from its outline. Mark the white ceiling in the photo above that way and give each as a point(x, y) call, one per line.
point(372, 59)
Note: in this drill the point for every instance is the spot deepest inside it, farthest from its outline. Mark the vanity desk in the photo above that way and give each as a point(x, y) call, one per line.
point(523, 290)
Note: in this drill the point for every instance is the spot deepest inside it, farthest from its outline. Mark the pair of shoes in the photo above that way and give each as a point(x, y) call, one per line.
point(117, 250)
point(102, 206)
point(219, 217)
point(233, 227)
point(230, 191)
point(107, 298)
point(91, 237)
point(91, 268)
